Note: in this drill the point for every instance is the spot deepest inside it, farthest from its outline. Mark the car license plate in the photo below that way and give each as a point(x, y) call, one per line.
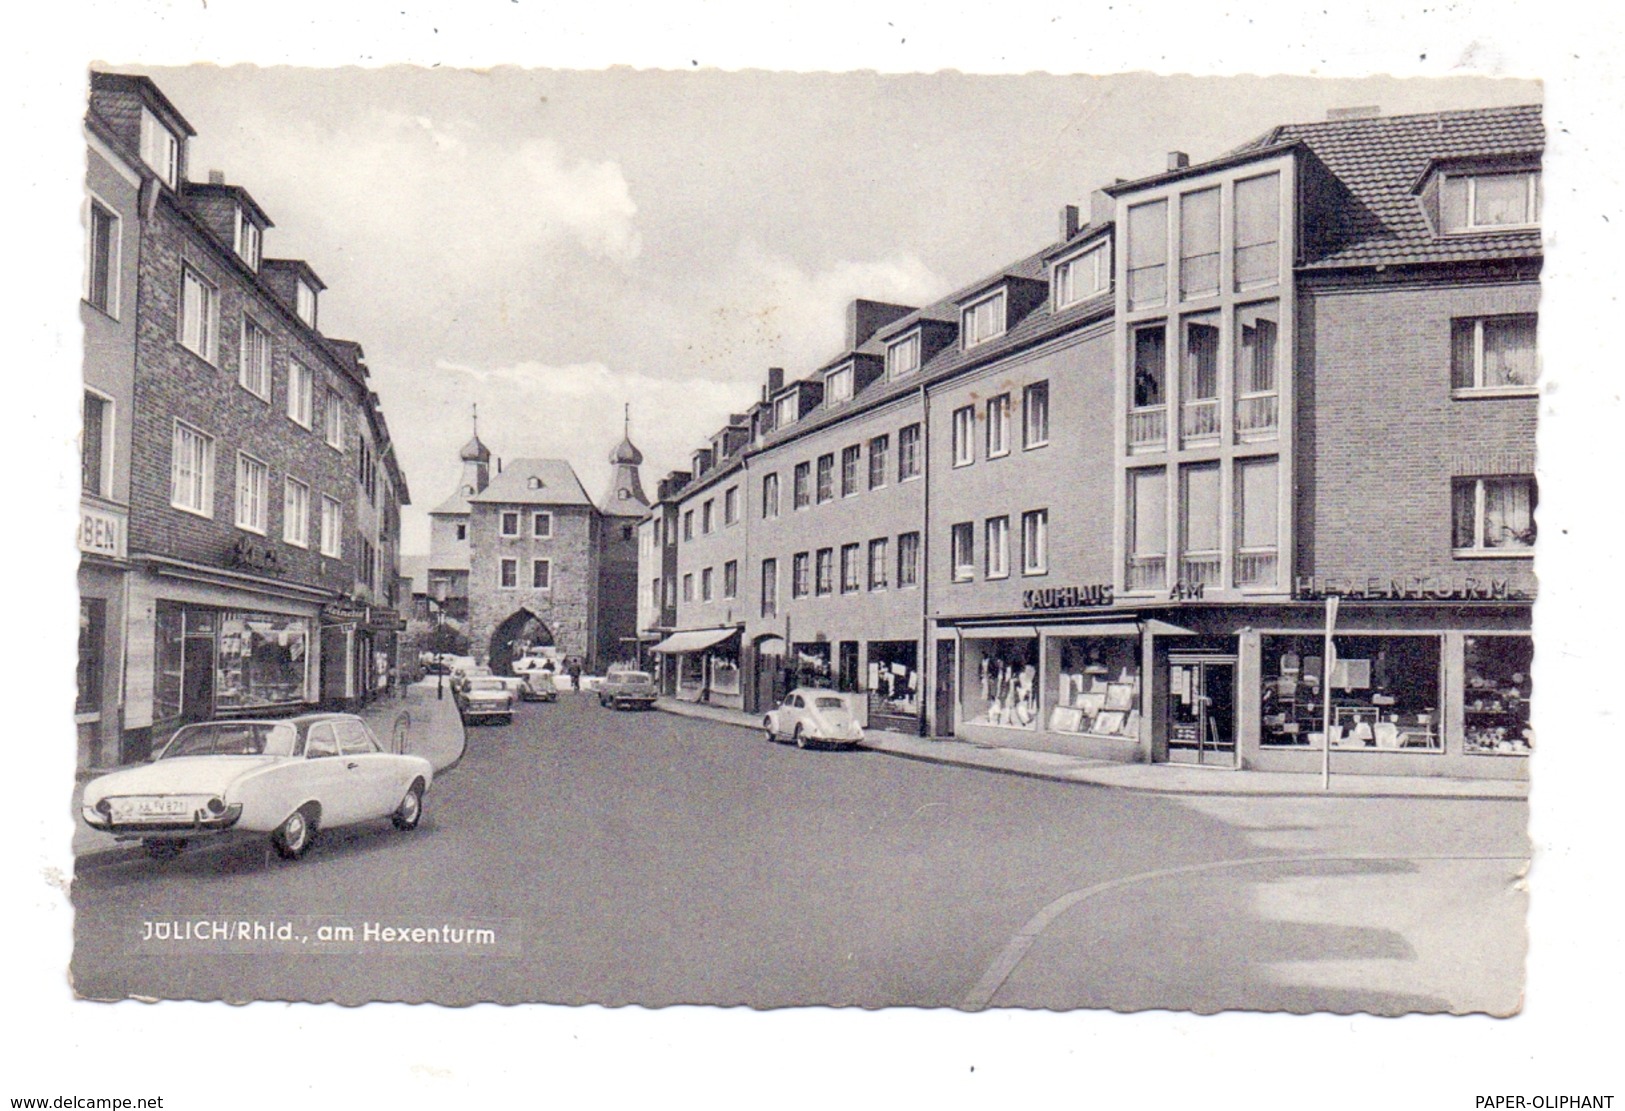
point(148, 809)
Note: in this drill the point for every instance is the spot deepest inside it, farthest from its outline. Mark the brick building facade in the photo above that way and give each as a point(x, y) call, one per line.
point(1149, 454)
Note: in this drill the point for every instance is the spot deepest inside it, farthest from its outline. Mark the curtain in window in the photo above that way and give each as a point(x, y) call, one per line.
point(1149, 359)
point(1257, 363)
point(1509, 351)
point(1508, 513)
point(1500, 199)
point(1201, 360)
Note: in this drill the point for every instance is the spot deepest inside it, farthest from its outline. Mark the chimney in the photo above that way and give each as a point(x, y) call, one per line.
point(775, 380)
point(1102, 209)
point(865, 318)
point(1069, 222)
point(217, 177)
point(1362, 112)
point(1178, 160)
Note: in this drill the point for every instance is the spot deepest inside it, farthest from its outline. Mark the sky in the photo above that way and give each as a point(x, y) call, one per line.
point(551, 245)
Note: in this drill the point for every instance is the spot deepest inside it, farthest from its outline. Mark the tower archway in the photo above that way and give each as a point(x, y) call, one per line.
point(520, 631)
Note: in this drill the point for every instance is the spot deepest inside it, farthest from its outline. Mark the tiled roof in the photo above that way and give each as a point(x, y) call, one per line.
point(456, 504)
point(1378, 160)
point(559, 485)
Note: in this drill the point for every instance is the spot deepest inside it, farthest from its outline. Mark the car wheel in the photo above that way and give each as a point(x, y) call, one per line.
point(767, 729)
point(164, 848)
point(410, 811)
point(292, 838)
point(801, 738)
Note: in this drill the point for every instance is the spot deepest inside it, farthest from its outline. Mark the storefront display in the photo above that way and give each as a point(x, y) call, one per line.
point(894, 677)
point(261, 660)
point(724, 675)
point(1097, 687)
point(1384, 693)
point(1495, 698)
point(1001, 686)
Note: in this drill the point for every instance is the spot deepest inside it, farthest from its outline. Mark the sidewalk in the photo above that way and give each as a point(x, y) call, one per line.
point(1157, 778)
point(432, 729)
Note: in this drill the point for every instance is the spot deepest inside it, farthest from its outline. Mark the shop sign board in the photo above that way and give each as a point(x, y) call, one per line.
point(1314, 588)
point(101, 532)
point(1067, 597)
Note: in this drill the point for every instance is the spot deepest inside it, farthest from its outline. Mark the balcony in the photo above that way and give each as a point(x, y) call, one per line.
point(1143, 573)
point(1199, 421)
point(1256, 567)
point(1148, 428)
point(1257, 416)
point(1199, 569)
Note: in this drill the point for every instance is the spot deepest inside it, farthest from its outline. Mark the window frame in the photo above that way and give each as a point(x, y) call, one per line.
point(996, 547)
point(333, 419)
point(824, 572)
point(801, 575)
point(299, 373)
point(998, 426)
point(537, 517)
point(851, 568)
point(203, 480)
point(1035, 539)
point(909, 342)
point(503, 517)
point(908, 570)
point(1030, 392)
point(879, 563)
point(260, 523)
point(839, 385)
point(770, 496)
point(801, 485)
point(824, 484)
point(336, 549)
point(707, 584)
point(770, 587)
point(209, 336)
point(962, 551)
point(1479, 549)
point(299, 538)
point(971, 332)
point(105, 441)
point(1533, 200)
point(730, 507)
point(110, 271)
point(1478, 388)
point(304, 302)
point(879, 459)
point(851, 465)
point(708, 516)
point(730, 579)
point(909, 456)
point(508, 573)
point(1064, 287)
point(247, 239)
point(964, 436)
point(155, 134)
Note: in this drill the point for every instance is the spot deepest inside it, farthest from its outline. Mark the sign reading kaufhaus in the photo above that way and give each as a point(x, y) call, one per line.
point(1067, 597)
point(1426, 588)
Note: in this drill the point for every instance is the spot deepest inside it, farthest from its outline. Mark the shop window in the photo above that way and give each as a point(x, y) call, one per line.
point(1199, 244)
point(826, 478)
point(894, 679)
point(1148, 255)
point(1493, 354)
point(1199, 380)
point(1258, 407)
point(1001, 682)
point(92, 635)
point(963, 548)
point(169, 657)
point(261, 660)
point(1493, 516)
point(1147, 541)
point(1495, 703)
point(1147, 418)
point(1096, 686)
point(850, 458)
point(1385, 693)
point(1199, 556)
point(824, 571)
point(1258, 231)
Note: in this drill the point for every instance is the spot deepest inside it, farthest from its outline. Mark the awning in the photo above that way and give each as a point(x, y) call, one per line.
point(1094, 629)
point(772, 645)
point(1164, 629)
point(693, 640)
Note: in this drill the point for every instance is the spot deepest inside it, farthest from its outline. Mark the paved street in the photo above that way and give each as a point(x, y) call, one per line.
point(627, 858)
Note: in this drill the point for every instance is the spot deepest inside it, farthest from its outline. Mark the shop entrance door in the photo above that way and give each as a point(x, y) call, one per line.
point(197, 679)
point(1202, 710)
point(946, 689)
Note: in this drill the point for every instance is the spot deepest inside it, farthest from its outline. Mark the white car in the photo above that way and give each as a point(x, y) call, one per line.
point(286, 778)
point(810, 717)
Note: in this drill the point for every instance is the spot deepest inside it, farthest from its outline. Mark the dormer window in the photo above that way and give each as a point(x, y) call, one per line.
point(784, 411)
point(246, 241)
point(903, 356)
point(160, 149)
point(305, 302)
point(533, 483)
point(838, 386)
point(1081, 277)
point(984, 320)
point(1490, 201)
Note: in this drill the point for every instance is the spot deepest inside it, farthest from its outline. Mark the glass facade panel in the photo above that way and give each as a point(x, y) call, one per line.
point(1096, 686)
point(1199, 538)
point(1148, 255)
point(1495, 702)
point(1257, 522)
point(1148, 530)
point(1199, 244)
point(261, 660)
point(1258, 224)
point(1000, 682)
point(1385, 693)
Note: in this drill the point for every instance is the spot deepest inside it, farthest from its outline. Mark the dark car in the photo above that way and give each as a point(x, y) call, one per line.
point(627, 688)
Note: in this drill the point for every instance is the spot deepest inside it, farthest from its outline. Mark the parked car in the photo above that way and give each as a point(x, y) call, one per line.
point(814, 717)
point(285, 778)
point(484, 697)
point(627, 688)
point(539, 687)
point(461, 674)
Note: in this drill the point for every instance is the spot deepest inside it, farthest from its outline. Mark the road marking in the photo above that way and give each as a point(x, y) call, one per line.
point(1016, 949)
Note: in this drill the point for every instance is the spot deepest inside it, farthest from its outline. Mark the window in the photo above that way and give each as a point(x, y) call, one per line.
point(730, 579)
point(1199, 379)
point(1199, 555)
point(826, 478)
point(508, 522)
point(252, 481)
point(879, 451)
point(908, 453)
point(160, 149)
point(94, 443)
point(1147, 422)
point(730, 506)
point(803, 485)
point(688, 587)
point(1493, 353)
point(908, 559)
point(963, 548)
point(1493, 515)
point(879, 563)
point(1258, 231)
point(838, 386)
point(965, 436)
point(1078, 279)
point(1035, 542)
point(654, 593)
point(998, 426)
point(332, 528)
point(509, 572)
point(824, 581)
point(305, 302)
point(462, 530)
point(801, 575)
point(1035, 415)
point(191, 482)
point(688, 524)
point(1199, 244)
point(984, 320)
point(333, 419)
point(708, 515)
point(996, 553)
point(1257, 401)
point(1147, 530)
point(200, 314)
point(770, 496)
point(102, 265)
point(1257, 525)
point(706, 584)
point(770, 588)
point(903, 356)
point(1148, 255)
point(541, 574)
point(784, 410)
point(246, 240)
point(1490, 201)
point(301, 387)
point(296, 513)
point(850, 457)
point(92, 634)
point(254, 372)
point(851, 572)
